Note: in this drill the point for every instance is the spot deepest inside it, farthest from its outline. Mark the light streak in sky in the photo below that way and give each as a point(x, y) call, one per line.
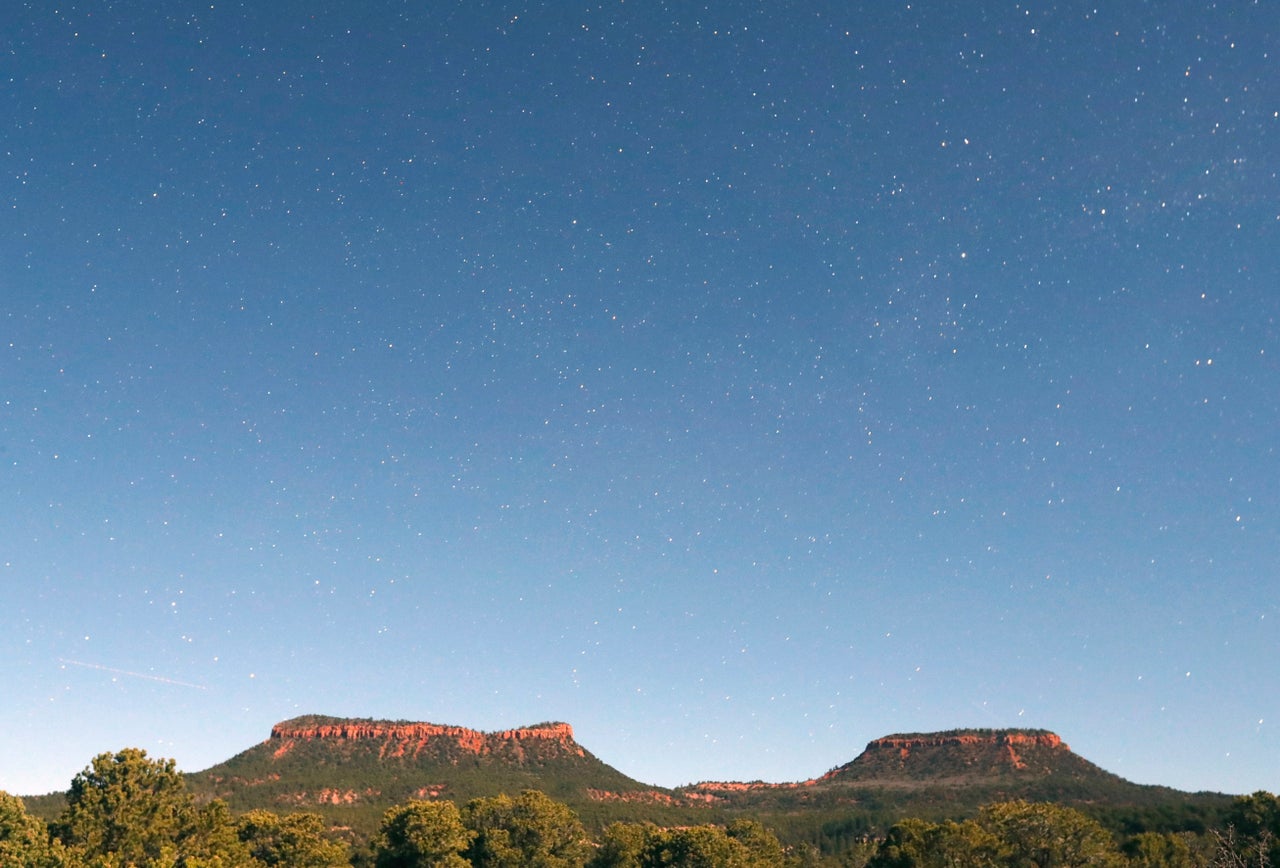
point(159, 678)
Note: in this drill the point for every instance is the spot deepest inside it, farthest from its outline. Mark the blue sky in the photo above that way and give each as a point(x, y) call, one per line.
point(736, 383)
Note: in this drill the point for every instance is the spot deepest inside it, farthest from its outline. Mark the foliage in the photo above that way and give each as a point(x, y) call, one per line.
point(1163, 850)
point(1253, 832)
point(1008, 834)
point(762, 846)
point(293, 841)
point(24, 839)
point(215, 843)
point(696, 847)
point(421, 834)
point(915, 843)
point(1048, 836)
point(127, 809)
point(744, 844)
point(622, 845)
point(529, 831)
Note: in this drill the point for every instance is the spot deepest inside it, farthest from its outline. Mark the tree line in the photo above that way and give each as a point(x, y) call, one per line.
point(126, 810)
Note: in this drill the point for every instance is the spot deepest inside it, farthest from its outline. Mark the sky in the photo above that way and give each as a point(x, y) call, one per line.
point(737, 382)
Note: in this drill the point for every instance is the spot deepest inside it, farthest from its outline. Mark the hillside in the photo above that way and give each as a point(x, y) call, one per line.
point(951, 775)
point(356, 769)
point(1022, 762)
point(352, 770)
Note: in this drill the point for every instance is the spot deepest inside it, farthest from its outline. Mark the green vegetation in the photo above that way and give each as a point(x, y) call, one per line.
point(743, 844)
point(422, 834)
point(530, 830)
point(298, 840)
point(126, 810)
point(24, 839)
point(352, 781)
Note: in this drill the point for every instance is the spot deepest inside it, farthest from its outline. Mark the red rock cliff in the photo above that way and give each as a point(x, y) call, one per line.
point(400, 739)
point(998, 739)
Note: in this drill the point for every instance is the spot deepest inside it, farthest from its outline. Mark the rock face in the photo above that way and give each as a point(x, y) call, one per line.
point(994, 737)
point(1006, 743)
point(401, 739)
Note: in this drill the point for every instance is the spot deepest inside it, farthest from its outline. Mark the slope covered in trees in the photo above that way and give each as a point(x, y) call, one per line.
point(126, 810)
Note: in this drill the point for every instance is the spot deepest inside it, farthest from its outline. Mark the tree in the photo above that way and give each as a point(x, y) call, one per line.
point(698, 847)
point(1008, 834)
point(422, 834)
point(744, 844)
point(529, 831)
point(1159, 850)
point(24, 839)
point(126, 809)
point(1253, 832)
point(1036, 835)
point(914, 843)
point(764, 850)
point(298, 840)
point(964, 845)
point(623, 845)
point(216, 842)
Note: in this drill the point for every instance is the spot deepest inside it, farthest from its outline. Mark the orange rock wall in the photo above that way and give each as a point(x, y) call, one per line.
point(1000, 739)
point(410, 738)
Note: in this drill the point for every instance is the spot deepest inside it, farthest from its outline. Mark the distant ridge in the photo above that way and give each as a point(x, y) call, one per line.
point(352, 770)
point(944, 773)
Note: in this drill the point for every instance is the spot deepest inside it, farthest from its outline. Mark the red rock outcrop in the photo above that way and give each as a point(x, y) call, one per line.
point(651, 797)
point(740, 787)
point(904, 744)
point(409, 739)
point(329, 796)
point(337, 797)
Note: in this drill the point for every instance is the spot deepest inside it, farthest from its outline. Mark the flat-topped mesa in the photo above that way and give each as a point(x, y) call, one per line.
point(403, 738)
point(962, 754)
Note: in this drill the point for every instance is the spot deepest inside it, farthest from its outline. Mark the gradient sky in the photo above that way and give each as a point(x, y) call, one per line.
point(738, 382)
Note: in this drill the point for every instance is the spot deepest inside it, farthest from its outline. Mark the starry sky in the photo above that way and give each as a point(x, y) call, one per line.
point(738, 382)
